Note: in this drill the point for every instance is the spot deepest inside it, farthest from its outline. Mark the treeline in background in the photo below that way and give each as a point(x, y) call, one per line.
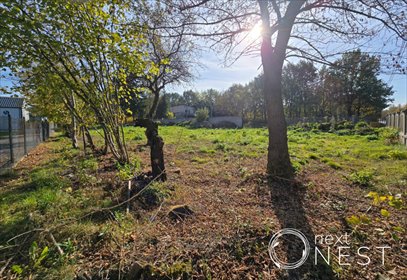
point(350, 88)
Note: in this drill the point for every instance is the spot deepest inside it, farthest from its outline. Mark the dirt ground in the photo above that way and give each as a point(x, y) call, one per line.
point(236, 211)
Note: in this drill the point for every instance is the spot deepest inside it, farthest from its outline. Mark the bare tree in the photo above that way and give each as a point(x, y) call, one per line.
point(318, 30)
point(171, 53)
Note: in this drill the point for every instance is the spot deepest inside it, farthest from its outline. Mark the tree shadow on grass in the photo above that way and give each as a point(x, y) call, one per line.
point(287, 200)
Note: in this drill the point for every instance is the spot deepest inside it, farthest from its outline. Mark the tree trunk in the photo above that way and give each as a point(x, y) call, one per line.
point(153, 109)
point(89, 139)
point(73, 125)
point(278, 159)
point(156, 144)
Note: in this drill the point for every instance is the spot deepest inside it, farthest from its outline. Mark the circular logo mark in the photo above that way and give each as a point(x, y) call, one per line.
point(274, 243)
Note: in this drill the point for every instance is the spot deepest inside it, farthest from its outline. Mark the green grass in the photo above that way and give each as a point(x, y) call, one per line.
point(345, 153)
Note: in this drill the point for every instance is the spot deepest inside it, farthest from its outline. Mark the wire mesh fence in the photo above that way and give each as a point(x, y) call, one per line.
point(18, 137)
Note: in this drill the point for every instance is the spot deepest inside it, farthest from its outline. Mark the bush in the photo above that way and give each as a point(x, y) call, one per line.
point(325, 127)
point(202, 114)
point(362, 128)
point(398, 154)
point(361, 178)
point(390, 135)
point(372, 137)
point(344, 125)
point(170, 115)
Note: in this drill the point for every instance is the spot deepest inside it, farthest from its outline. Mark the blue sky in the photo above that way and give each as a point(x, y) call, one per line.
point(215, 75)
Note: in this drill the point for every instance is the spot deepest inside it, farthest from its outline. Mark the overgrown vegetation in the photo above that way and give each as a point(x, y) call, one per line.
point(60, 195)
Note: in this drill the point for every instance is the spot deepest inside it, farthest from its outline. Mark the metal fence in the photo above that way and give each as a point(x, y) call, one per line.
point(18, 137)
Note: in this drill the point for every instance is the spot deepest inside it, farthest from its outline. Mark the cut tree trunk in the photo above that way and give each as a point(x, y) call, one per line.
point(156, 144)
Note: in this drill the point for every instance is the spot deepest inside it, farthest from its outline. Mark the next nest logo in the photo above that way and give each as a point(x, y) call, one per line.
point(337, 247)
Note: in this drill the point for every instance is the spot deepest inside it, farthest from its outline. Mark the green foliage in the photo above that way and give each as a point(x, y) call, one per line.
point(90, 57)
point(355, 220)
point(128, 171)
point(334, 165)
point(342, 132)
point(162, 108)
point(170, 115)
point(154, 194)
point(372, 137)
point(390, 135)
point(362, 178)
point(362, 128)
point(344, 125)
point(202, 114)
point(398, 154)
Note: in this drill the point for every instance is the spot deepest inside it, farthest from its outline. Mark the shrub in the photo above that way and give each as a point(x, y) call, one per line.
point(398, 154)
point(361, 178)
point(170, 115)
point(202, 114)
point(344, 125)
point(325, 127)
point(390, 135)
point(372, 137)
point(362, 128)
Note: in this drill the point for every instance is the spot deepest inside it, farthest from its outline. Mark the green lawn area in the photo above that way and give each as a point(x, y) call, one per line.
point(56, 192)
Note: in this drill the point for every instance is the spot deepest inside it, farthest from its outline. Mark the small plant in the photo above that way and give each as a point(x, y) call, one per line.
point(362, 128)
point(199, 160)
point(334, 165)
point(170, 115)
point(313, 156)
point(221, 147)
point(138, 137)
point(127, 171)
point(398, 154)
point(355, 220)
point(36, 257)
point(155, 194)
point(390, 135)
point(361, 178)
point(202, 114)
point(372, 137)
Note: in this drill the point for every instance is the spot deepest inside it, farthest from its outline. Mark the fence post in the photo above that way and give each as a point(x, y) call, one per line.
point(10, 137)
point(42, 131)
point(25, 137)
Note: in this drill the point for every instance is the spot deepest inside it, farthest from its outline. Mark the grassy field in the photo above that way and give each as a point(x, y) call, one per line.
point(59, 217)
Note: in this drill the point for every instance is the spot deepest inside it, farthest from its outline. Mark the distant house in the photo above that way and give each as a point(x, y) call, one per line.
point(183, 111)
point(13, 106)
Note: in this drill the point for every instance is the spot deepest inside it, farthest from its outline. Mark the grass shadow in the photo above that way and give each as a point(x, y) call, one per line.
point(287, 200)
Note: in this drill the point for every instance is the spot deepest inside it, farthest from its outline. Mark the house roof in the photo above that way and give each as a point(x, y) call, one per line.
point(11, 102)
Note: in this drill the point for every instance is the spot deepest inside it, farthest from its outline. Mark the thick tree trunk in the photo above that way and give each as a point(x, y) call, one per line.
point(156, 144)
point(278, 159)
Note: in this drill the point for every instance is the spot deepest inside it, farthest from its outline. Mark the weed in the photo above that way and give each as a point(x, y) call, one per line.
point(398, 154)
point(199, 160)
point(334, 165)
point(361, 178)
